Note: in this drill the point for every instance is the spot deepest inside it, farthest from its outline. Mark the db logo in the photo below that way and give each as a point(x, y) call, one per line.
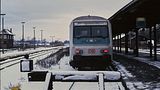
point(91, 51)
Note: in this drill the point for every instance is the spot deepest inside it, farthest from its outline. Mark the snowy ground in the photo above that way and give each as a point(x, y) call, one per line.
point(138, 75)
point(148, 51)
point(143, 73)
point(12, 76)
point(63, 66)
point(17, 52)
point(127, 76)
point(144, 56)
point(142, 50)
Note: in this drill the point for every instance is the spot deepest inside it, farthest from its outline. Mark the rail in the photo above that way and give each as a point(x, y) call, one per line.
point(24, 53)
point(16, 60)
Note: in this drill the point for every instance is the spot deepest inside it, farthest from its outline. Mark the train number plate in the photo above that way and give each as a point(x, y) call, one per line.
point(91, 51)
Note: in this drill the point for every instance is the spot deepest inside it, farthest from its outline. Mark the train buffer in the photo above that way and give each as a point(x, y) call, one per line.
point(73, 80)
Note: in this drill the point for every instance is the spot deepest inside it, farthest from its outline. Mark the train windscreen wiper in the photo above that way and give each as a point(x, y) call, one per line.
point(99, 36)
point(78, 37)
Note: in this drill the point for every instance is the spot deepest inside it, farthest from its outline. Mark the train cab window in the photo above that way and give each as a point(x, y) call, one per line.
point(80, 32)
point(91, 35)
point(100, 31)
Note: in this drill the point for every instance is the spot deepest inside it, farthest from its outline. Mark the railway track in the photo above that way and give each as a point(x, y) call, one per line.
point(85, 85)
point(109, 68)
point(14, 61)
point(71, 85)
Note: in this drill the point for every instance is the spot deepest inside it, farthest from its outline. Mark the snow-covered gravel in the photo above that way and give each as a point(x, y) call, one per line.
point(138, 75)
point(28, 51)
point(63, 67)
point(12, 76)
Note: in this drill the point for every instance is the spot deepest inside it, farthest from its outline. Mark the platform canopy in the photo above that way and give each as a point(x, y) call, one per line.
point(125, 19)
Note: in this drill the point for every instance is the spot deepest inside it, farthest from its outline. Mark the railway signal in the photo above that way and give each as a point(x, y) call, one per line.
point(26, 65)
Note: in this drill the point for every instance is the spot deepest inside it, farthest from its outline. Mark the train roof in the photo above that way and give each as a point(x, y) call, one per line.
point(89, 18)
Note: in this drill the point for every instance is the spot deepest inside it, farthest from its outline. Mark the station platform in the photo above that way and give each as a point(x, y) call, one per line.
point(144, 56)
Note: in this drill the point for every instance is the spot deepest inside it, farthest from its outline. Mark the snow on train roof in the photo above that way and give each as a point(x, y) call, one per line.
point(89, 18)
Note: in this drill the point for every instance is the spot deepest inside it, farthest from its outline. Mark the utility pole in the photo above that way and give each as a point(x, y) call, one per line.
point(0, 26)
point(23, 44)
point(0, 14)
point(34, 37)
point(52, 39)
point(2, 41)
point(0, 31)
point(41, 36)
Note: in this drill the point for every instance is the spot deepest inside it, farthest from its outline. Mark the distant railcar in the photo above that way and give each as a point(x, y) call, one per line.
point(90, 42)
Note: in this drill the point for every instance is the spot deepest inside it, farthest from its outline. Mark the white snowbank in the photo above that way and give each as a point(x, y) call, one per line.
point(18, 53)
point(86, 75)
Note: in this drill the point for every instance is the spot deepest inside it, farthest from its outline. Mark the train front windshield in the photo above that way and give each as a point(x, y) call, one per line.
point(91, 35)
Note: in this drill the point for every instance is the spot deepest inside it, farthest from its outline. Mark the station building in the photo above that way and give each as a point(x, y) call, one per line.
point(6, 39)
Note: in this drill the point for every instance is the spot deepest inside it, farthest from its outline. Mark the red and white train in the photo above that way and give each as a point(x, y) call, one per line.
point(90, 42)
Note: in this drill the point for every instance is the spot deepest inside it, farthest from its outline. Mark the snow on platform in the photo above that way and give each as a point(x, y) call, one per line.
point(86, 86)
point(63, 68)
point(20, 53)
point(72, 86)
point(33, 86)
point(127, 77)
point(144, 60)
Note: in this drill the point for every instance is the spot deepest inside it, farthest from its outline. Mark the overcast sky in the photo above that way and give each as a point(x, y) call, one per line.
point(53, 16)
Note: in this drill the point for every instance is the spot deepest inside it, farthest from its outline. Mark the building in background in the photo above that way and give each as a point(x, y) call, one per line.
point(6, 39)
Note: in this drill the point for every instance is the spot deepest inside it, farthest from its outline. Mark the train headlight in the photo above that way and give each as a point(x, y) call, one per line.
point(104, 51)
point(78, 51)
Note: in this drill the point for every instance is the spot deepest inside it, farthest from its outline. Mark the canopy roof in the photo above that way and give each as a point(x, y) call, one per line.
point(125, 19)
